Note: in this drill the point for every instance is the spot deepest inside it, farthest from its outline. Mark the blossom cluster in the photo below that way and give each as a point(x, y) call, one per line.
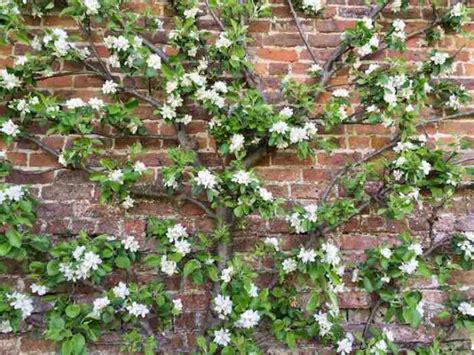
point(284, 134)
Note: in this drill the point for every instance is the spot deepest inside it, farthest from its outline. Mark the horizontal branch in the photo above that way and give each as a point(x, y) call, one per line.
point(393, 143)
point(157, 195)
point(65, 73)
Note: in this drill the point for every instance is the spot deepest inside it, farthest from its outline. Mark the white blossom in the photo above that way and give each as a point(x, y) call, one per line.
point(236, 143)
point(227, 274)
point(466, 309)
point(324, 324)
point(307, 255)
point(183, 247)
point(253, 292)
point(96, 103)
point(15, 192)
point(222, 306)
point(21, 60)
point(206, 179)
point(386, 253)
point(171, 86)
point(121, 290)
point(10, 128)
point(344, 346)
point(118, 43)
point(138, 309)
point(116, 176)
point(154, 61)
point(242, 177)
point(315, 68)
point(368, 47)
point(416, 248)
point(130, 243)
point(340, 93)
point(280, 127)
point(139, 167)
point(220, 86)
point(178, 305)
point(371, 69)
point(92, 7)
point(90, 261)
point(78, 252)
point(425, 167)
point(439, 58)
point(273, 242)
point(67, 271)
point(456, 10)
point(9, 81)
point(5, 327)
point(99, 304)
point(368, 22)
point(468, 248)
point(310, 128)
point(128, 202)
point(222, 337)
point(331, 254)
point(109, 87)
point(186, 119)
point(390, 97)
point(39, 289)
point(298, 134)
point(168, 266)
point(265, 194)
point(114, 61)
point(381, 346)
point(173, 233)
point(248, 319)
point(72, 104)
point(409, 267)
point(286, 112)
point(289, 265)
point(22, 303)
point(311, 212)
point(454, 102)
point(223, 41)
point(192, 52)
point(312, 5)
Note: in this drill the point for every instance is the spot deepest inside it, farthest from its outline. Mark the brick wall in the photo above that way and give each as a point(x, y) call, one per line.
point(69, 201)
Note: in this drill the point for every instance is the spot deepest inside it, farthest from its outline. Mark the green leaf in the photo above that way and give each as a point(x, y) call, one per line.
point(368, 285)
point(443, 314)
point(14, 238)
point(290, 339)
point(201, 342)
point(190, 266)
point(5, 249)
point(53, 268)
point(73, 310)
point(152, 260)
point(67, 348)
point(122, 262)
point(313, 302)
point(78, 344)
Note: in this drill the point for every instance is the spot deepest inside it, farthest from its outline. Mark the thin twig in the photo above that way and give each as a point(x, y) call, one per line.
point(64, 73)
point(371, 317)
point(395, 140)
point(302, 32)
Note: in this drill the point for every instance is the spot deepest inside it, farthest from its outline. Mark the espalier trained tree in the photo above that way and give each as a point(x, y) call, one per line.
point(215, 73)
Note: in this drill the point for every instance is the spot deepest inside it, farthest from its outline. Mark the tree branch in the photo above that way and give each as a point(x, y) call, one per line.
point(301, 31)
point(393, 143)
point(328, 70)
